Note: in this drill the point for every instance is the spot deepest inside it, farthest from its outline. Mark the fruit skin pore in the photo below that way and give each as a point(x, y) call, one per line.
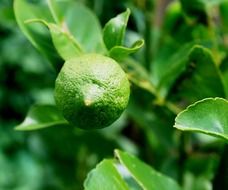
point(91, 91)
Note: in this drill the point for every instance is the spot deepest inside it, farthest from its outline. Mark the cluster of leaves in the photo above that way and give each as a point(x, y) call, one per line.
point(179, 78)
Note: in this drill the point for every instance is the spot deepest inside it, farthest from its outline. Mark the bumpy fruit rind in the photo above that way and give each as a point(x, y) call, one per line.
point(91, 91)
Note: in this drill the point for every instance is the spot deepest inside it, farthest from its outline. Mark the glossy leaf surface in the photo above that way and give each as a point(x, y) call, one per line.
point(81, 22)
point(64, 42)
point(120, 52)
point(64, 16)
point(201, 78)
point(41, 116)
point(37, 34)
point(114, 30)
point(209, 116)
point(147, 177)
point(105, 176)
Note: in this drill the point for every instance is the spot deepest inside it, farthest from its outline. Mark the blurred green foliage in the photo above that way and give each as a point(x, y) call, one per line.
point(163, 80)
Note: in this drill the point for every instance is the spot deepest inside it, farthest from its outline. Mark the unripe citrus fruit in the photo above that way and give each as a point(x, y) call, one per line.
point(91, 91)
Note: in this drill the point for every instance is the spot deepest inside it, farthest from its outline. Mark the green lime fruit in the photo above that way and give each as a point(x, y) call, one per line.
point(91, 91)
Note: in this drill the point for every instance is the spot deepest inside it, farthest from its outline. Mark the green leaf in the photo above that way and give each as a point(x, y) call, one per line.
point(105, 176)
point(146, 177)
point(41, 116)
point(130, 173)
point(114, 30)
point(120, 52)
point(164, 78)
point(81, 23)
point(38, 35)
point(201, 78)
point(209, 116)
point(65, 43)
point(74, 28)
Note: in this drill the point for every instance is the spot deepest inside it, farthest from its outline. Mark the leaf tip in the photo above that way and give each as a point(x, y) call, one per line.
point(18, 128)
point(128, 11)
